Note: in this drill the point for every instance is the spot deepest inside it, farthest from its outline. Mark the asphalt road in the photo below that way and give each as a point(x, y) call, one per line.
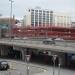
point(19, 68)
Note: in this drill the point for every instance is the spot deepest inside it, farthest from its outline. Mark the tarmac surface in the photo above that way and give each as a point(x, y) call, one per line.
point(20, 68)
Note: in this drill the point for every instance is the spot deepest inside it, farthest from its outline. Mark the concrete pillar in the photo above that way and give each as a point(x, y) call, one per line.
point(23, 54)
point(62, 59)
point(4, 50)
point(1, 51)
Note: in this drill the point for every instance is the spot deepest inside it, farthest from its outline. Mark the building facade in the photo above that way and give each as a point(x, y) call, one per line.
point(62, 20)
point(73, 24)
point(5, 23)
point(39, 17)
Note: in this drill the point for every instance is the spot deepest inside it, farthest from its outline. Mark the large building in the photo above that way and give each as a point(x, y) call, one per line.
point(62, 19)
point(73, 24)
point(39, 17)
point(5, 23)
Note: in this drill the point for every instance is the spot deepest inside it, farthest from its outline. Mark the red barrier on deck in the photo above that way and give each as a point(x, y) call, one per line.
point(55, 32)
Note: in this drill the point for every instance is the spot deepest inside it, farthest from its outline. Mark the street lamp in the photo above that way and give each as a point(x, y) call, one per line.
point(27, 60)
point(10, 20)
point(54, 58)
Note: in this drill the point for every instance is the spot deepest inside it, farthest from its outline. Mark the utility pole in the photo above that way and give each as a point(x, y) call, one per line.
point(27, 60)
point(54, 59)
point(10, 20)
point(59, 65)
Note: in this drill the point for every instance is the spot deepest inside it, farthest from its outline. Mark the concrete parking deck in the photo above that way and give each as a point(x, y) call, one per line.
point(23, 43)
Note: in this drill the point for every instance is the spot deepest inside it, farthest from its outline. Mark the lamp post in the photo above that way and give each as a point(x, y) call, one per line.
point(27, 60)
point(54, 58)
point(10, 20)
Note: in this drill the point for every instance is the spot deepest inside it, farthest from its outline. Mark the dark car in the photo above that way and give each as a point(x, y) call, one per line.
point(4, 65)
point(49, 41)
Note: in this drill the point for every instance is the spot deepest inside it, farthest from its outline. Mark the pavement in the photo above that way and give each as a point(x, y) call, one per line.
point(62, 72)
point(20, 68)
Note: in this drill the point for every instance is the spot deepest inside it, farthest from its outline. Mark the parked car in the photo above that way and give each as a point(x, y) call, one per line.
point(49, 41)
point(4, 65)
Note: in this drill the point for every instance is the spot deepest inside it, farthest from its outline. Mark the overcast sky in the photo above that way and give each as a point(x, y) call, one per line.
point(19, 6)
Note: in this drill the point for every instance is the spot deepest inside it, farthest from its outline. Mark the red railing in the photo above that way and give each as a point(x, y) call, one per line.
point(66, 33)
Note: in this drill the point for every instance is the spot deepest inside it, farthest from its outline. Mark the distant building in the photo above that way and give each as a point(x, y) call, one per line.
point(62, 19)
point(40, 17)
point(73, 24)
point(6, 21)
point(4, 25)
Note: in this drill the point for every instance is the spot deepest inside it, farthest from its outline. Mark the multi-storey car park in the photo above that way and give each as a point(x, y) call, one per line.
point(45, 32)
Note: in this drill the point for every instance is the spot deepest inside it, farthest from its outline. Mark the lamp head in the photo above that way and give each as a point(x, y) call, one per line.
point(28, 57)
